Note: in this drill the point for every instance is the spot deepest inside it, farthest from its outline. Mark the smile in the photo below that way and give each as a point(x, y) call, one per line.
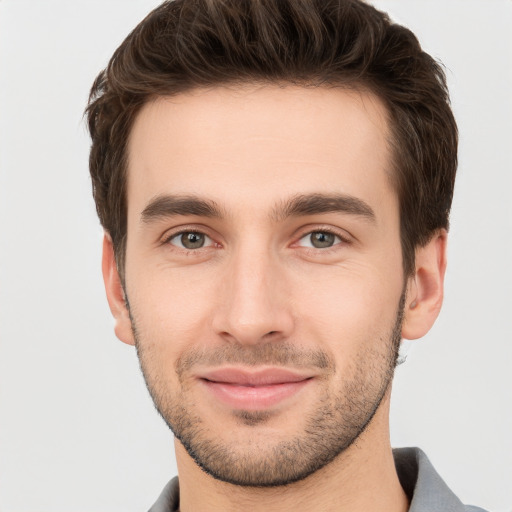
point(256, 390)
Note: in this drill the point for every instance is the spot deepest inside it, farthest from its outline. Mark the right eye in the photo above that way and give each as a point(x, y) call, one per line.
point(190, 240)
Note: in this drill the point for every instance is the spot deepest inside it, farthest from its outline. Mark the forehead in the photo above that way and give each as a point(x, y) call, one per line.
point(254, 143)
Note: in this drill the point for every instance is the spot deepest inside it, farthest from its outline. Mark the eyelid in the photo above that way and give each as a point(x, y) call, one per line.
point(171, 233)
point(337, 240)
point(177, 236)
point(180, 230)
point(345, 237)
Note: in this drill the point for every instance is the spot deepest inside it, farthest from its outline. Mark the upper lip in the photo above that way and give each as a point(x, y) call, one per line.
point(258, 377)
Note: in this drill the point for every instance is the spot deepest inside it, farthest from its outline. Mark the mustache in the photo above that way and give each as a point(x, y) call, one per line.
point(271, 354)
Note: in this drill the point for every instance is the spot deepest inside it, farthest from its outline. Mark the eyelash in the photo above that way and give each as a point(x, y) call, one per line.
point(344, 240)
point(175, 234)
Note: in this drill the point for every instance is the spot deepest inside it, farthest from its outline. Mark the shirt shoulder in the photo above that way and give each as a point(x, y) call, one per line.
point(169, 499)
point(426, 490)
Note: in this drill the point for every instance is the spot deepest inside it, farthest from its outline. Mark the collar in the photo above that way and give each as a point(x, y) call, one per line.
point(422, 484)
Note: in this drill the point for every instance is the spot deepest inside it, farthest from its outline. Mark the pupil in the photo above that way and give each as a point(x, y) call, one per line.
point(321, 240)
point(192, 240)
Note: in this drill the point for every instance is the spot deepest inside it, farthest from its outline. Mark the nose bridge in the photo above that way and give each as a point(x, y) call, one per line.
point(254, 305)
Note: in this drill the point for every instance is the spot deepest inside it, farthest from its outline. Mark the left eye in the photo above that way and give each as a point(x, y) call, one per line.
point(319, 240)
point(191, 240)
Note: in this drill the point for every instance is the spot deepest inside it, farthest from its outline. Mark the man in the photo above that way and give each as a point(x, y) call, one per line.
point(274, 179)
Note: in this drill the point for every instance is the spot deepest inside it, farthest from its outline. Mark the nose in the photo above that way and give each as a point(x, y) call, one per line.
point(253, 304)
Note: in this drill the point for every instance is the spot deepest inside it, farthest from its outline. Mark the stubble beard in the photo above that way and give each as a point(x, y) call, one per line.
point(336, 423)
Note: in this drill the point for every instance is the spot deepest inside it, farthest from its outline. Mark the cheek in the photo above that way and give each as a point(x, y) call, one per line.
point(338, 309)
point(348, 309)
point(172, 309)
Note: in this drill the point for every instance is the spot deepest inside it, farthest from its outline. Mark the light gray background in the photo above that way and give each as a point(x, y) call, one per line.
point(78, 431)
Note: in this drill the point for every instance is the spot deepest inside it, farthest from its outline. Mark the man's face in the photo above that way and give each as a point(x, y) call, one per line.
point(264, 273)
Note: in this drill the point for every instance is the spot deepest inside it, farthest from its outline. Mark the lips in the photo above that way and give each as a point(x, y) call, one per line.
point(253, 390)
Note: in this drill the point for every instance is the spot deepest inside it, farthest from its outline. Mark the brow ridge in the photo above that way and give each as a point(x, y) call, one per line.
point(312, 204)
point(163, 206)
point(171, 205)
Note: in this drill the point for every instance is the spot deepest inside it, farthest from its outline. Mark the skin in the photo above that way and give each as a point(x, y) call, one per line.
point(257, 284)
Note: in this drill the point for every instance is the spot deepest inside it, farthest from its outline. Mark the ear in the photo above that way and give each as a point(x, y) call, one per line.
point(115, 293)
point(425, 288)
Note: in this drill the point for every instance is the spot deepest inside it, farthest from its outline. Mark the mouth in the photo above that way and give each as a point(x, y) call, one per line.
point(253, 390)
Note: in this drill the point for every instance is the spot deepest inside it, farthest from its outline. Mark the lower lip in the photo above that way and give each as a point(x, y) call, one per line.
point(254, 398)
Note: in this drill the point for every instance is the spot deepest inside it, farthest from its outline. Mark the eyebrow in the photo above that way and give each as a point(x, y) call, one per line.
point(298, 206)
point(171, 205)
point(312, 204)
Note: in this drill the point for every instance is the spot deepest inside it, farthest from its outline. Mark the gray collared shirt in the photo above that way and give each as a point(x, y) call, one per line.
point(426, 490)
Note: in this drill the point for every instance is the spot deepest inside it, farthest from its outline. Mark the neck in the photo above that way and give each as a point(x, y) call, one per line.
point(360, 479)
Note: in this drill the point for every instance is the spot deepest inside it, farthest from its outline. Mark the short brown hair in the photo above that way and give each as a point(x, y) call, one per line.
point(188, 44)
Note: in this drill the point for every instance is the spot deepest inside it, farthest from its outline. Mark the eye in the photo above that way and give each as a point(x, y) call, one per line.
point(319, 240)
point(190, 240)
